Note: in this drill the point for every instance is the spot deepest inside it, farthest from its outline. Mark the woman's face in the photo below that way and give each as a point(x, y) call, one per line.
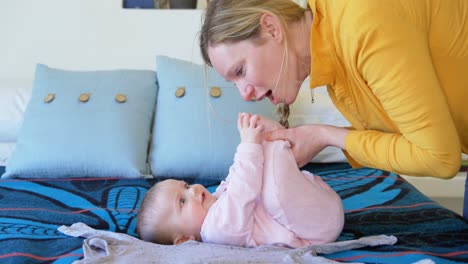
point(258, 70)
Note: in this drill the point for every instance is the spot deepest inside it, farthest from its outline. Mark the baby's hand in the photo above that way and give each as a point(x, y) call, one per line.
point(249, 129)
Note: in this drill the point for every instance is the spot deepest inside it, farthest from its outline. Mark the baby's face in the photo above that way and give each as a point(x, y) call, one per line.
point(188, 206)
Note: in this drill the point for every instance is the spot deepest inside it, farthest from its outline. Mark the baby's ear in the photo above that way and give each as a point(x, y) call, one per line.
point(181, 239)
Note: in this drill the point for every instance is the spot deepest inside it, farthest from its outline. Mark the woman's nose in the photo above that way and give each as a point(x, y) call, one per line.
point(246, 91)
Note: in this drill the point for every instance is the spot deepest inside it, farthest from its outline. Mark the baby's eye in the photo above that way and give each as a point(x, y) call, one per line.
point(186, 186)
point(181, 201)
point(239, 71)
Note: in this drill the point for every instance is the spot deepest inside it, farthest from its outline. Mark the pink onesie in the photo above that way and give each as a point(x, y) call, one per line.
point(267, 200)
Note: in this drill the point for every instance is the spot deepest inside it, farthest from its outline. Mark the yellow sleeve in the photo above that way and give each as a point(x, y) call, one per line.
point(395, 60)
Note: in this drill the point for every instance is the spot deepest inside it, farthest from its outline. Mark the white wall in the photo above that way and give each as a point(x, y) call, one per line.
point(100, 34)
point(91, 34)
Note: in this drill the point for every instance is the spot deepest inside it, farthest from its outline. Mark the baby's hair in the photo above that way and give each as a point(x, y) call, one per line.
point(147, 217)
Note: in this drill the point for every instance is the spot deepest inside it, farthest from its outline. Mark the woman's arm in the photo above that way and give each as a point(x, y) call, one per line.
point(308, 140)
point(397, 62)
point(392, 55)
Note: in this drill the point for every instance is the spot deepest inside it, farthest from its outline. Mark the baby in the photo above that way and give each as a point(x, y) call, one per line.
point(264, 200)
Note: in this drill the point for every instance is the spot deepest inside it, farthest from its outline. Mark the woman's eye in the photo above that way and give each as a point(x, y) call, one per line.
point(181, 201)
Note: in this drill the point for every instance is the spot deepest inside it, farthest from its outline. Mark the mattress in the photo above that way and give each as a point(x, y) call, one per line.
point(376, 202)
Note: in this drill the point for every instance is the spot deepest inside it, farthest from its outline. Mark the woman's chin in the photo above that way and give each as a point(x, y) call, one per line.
point(277, 100)
point(273, 101)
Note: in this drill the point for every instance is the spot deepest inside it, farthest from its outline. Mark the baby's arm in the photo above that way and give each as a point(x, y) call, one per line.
point(250, 131)
point(231, 219)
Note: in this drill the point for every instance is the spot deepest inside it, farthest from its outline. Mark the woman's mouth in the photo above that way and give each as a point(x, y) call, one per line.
point(268, 94)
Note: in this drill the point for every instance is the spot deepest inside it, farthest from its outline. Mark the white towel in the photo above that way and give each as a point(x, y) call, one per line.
point(111, 247)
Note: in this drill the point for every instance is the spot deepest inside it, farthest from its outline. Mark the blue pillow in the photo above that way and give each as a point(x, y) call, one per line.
point(195, 135)
point(99, 136)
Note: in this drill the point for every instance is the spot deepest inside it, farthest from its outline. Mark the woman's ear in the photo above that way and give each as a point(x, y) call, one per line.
point(181, 239)
point(271, 26)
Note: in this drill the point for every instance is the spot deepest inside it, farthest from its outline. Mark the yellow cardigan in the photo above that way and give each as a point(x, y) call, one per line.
point(398, 72)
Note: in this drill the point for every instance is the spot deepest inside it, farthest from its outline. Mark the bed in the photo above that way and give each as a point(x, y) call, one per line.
point(376, 202)
point(89, 123)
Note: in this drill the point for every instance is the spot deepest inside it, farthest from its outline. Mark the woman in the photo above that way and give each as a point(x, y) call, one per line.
point(397, 71)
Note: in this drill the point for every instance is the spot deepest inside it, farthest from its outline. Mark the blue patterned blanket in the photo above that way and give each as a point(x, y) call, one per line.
point(376, 202)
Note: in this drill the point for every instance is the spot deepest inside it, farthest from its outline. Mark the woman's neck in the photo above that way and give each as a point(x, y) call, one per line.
point(307, 24)
point(300, 36)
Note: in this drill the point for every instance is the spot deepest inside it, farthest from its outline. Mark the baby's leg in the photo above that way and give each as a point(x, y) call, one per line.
point(300, 201)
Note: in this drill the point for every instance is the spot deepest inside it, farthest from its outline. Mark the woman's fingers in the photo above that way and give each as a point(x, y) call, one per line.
point(303, 144)
point(279, 134)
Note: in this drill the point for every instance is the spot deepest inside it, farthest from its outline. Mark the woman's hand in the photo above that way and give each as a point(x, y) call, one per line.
point(269, 124)
point(308, 140)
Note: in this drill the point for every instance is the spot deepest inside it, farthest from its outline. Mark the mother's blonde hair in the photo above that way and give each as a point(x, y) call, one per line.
point(230, 21)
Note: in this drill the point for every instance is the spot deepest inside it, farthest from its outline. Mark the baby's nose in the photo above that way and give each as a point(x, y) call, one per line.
point(196, 191)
